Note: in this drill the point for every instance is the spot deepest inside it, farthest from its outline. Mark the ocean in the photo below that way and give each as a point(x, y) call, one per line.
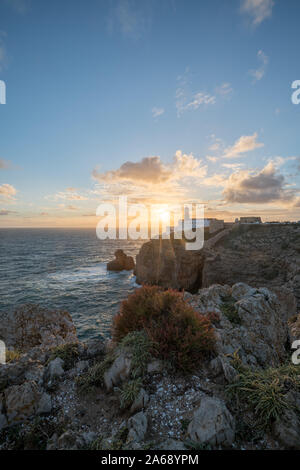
point(65, 269)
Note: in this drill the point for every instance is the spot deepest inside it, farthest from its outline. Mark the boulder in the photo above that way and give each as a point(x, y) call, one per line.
point(121, 262)
point(69, 440)
point(155, 367)
point(140, 402)
point(212, 423)
point(137, 426)
point(31, 325)
point(45, 404)
point(95, 347)
point(287, 430)
point(54, 369)
point(21, 401)
point(260, 330)
point(119, 370)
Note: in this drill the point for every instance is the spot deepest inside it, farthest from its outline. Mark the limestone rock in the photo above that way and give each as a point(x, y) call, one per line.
point(261, 255)
point(262, 332)
point(137, 426)
point(69, 441)
point(167, 263)
point(119, 370)
point(212, 423)
point(31, 325)
point(45, 404)
point(121, 262)
point(54, 369)
point(140, 402)
point(95, 347)
point(155, 367)
point(287, 430)
point(21, 401)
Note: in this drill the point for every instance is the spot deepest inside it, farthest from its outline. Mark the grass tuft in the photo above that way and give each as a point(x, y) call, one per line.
point(129, 392)
point(229, 310)
point(264, 391)
point(67, 352)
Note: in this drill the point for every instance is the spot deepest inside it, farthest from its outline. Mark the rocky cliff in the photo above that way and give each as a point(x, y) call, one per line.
point(93, 396)
point(260, 255)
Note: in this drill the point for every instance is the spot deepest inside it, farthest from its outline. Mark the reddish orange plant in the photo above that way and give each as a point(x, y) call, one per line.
point(178, 333)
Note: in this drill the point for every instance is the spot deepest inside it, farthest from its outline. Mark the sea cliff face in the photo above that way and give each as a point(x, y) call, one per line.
point(259, 255)
point(166, 263)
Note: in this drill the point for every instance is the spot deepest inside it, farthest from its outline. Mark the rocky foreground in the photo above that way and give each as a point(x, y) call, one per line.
point(58, 393)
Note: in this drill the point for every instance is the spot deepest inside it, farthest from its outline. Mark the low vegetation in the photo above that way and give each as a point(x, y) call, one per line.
point(230, 311)
point(67, 352)
point(94, 377)
point(140, 347)
point(12, 355)
point(264, 391)
point(129, 392)
point(177, 333)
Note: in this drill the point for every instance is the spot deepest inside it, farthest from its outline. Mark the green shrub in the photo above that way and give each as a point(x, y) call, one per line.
point(264, 391)
point(177, 333)
point(229, 310)
point(129, 392)
point(140, 347)
point(95, 375)
point(67, 352)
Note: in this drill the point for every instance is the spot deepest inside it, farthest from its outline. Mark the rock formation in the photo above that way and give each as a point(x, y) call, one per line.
point(259, 255)
point(32, 326)
point(251, 321)
point(121, 262)
point(40, 388)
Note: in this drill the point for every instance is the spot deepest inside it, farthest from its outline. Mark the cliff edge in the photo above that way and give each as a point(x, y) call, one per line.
point(259, 255)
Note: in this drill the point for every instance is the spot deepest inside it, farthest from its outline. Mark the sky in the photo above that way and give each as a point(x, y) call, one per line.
point(165, 102)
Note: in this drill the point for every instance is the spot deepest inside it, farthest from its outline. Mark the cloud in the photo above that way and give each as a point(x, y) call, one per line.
point(68, 195)
point(224, 89)
point(264, 186)
point(198, 99)
point(7, 192)
point(157, 112)
point(258, 10)
point(232, 166)
point(6, 212)
point(150, 179)
point(3, 164)
point(245, 143)
point(72, 208)
point(130, 17)
point(185, 100)
point(259, 73)
point(212, 158)
point(151, 170)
